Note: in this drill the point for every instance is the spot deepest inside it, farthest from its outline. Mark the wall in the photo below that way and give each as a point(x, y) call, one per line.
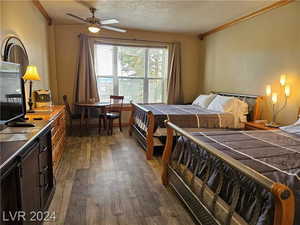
point(21, 18)
point(1, 25)
point(52, 64)
point(250, 55)
point(67, 43)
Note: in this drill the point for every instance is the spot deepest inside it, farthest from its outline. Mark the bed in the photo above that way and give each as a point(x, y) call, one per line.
point(235, 177)
point(147, 120)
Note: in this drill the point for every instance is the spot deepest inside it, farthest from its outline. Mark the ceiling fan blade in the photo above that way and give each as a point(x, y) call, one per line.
point(114, 29)
point(109, 21)
point(76, 17)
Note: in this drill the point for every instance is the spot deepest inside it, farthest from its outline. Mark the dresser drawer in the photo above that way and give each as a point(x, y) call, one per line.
point(58, 123)
point(57, 151)
point(59, 120)
point(60, 132)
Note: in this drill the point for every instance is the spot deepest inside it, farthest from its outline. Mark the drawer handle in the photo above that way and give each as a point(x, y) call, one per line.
point(44, 170)
point(43, 173)
point(44, 149)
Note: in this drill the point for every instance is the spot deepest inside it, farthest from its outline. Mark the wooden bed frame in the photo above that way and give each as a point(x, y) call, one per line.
point(146, 137)
point(185, 189)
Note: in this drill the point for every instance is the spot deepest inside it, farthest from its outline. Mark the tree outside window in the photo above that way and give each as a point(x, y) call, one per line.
point(138, 73)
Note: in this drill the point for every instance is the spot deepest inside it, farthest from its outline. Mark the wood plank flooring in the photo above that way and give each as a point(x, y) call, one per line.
point(106, 180)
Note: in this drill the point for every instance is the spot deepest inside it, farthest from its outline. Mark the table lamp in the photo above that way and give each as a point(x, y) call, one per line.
point(31, 74)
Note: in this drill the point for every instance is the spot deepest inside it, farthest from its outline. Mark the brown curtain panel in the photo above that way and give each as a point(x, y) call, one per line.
point(85, 82)
point(174, 88)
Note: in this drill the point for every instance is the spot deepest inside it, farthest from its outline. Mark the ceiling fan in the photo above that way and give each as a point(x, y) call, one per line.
point(95, 24)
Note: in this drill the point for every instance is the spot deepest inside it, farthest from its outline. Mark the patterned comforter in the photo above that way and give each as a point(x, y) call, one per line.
point(190, 116)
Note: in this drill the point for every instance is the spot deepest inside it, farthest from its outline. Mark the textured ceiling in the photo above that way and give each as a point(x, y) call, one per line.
point(164, 15)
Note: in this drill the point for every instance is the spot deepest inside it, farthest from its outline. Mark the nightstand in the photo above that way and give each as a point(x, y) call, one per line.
point(257, 126)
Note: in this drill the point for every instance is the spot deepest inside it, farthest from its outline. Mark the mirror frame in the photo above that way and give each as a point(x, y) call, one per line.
point(9, 43)
point(7, 46)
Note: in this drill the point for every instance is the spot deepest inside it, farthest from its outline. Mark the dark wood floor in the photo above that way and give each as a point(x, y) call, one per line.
point(105, 180)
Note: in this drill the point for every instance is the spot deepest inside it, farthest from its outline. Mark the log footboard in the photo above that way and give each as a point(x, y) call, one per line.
point(284, 205)
point(205, 202)
point(142, 124)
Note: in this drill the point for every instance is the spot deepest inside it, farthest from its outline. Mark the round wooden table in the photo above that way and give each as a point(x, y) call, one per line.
point(87, 106)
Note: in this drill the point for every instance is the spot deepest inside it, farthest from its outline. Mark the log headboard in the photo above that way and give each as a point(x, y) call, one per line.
point(254, 103)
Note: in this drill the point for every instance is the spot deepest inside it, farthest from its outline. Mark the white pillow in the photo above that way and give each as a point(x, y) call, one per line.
point(222, 104)
point(204, 100)
point(295, 128)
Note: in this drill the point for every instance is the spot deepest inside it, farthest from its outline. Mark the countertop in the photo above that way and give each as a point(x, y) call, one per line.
point(13, 140)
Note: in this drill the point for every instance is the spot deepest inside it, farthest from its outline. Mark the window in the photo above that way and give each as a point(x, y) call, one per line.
point(138, 73)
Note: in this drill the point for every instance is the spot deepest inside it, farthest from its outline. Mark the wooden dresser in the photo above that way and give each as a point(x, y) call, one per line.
point(57, 115)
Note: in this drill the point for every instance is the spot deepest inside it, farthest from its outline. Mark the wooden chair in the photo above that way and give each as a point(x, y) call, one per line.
point(113, 112)
point(72, 116)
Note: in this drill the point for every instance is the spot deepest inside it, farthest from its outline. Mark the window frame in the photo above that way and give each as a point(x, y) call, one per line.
point(116, 78)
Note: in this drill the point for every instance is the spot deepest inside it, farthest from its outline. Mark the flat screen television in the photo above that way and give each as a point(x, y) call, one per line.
point(12, 94)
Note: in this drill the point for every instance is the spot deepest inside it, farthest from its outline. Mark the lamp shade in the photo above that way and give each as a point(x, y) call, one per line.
point(31, 73)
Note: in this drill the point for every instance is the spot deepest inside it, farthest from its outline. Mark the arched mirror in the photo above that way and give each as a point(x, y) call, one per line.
point(14, 51)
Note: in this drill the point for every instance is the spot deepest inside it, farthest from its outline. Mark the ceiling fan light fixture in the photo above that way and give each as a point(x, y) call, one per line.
point(93, 28)
point(95, 24)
